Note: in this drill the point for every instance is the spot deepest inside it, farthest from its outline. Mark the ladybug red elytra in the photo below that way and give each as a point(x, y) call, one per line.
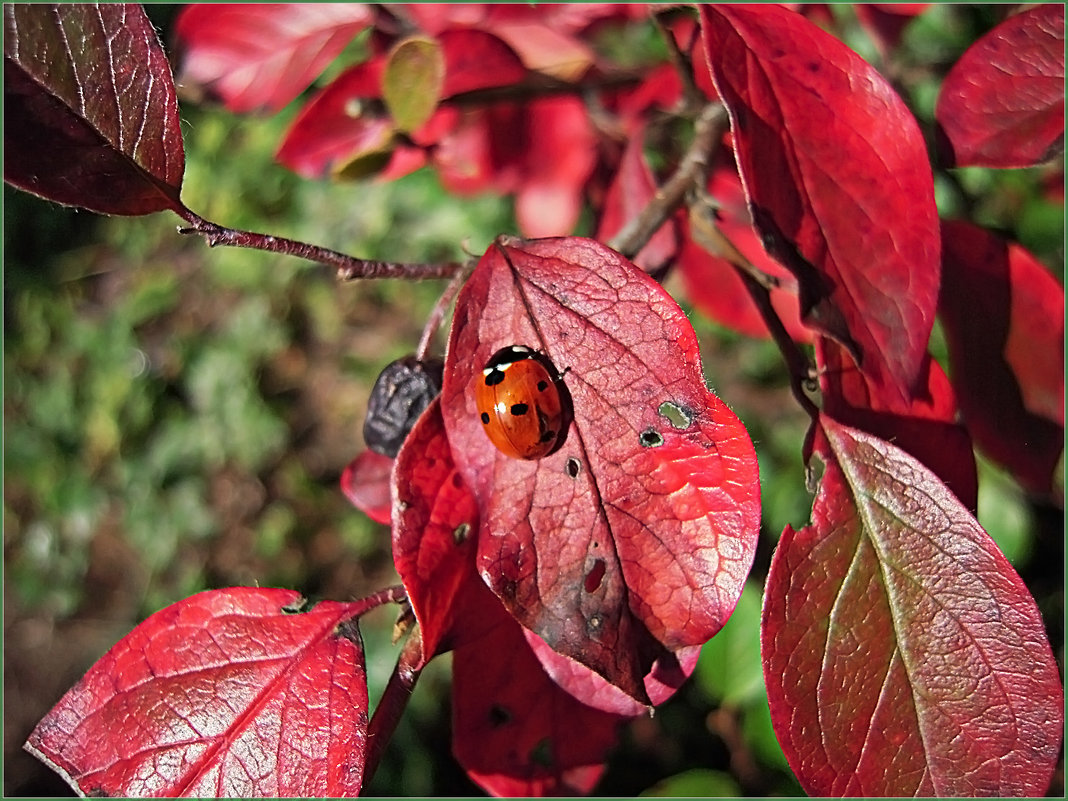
point(522, 403)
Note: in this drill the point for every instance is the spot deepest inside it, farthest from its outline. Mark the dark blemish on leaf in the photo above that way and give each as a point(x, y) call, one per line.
point(542, 753)
point(680, 416)
point(594, 577)
point(459, 534)
point(594, 624)
point(96, 792)
point(499, 716)
point(457, 482)
point(650, 438)
point(573, 467)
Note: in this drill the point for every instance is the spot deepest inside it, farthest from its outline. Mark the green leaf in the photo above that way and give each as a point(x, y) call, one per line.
point(411, 85)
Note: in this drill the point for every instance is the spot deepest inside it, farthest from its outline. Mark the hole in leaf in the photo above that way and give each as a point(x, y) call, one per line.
point(297, 607)
point(594, 624)
point(680, 417)
point(650, 438)
point(573, 467)
point(593, 578)
point(459, 534)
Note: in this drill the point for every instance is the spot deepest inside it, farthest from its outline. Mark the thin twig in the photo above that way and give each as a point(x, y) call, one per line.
point(437, 314)
point(393, 702)
point(759, 284)
point(348, 267)
point(709, 128)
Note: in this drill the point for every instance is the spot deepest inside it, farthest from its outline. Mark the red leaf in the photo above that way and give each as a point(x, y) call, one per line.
point(365, 482)
point(226, 693)
point(836, 173)
point(713, 285)
point(886, 22)
point(434, 539)
point(902, 653)
point(544, 151)
point(632, 188)
point(927, 427)
point(514, 730)
point(261, 55)
point(477, 60)
point(344, 122)
point(1003, 314)
point(654, 496)
point(1002, 103)
point(90, 113)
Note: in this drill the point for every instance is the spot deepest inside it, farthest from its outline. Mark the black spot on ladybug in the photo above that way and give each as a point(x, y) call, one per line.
point(542, 386)
point(547, 436)
point(494, 377)
point(519, 409)
point(651, 438)
point(485, 418)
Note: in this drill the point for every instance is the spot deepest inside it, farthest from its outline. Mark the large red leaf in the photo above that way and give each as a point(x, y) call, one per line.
point(1002, 103)
point(434, 539)
point(635, 537)
point(262, 55)
point(836, 173)
point(1003, 314)
point(227, 693)
point(514, 730)
point(902, 653)
point(90, 112)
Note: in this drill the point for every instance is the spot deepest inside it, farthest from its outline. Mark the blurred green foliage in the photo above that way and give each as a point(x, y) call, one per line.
point(177, 417)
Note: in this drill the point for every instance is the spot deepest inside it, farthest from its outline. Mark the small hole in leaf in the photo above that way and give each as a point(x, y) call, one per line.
point(594, 624)
point(297, 607)
point(594, 577)
point(650, 438)
point(499, 716)
point(573, 467)
point(459, 534)
point(680, 417)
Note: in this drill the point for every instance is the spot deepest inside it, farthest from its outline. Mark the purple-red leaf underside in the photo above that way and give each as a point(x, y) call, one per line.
point(90, 111)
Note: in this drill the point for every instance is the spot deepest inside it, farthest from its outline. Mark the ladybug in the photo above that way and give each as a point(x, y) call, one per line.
point(522, 403)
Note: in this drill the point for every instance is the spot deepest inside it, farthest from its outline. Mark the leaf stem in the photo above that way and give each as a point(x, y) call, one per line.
point(709, 128)
point(348, 267)
point(393, 702)
point(759, 284)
